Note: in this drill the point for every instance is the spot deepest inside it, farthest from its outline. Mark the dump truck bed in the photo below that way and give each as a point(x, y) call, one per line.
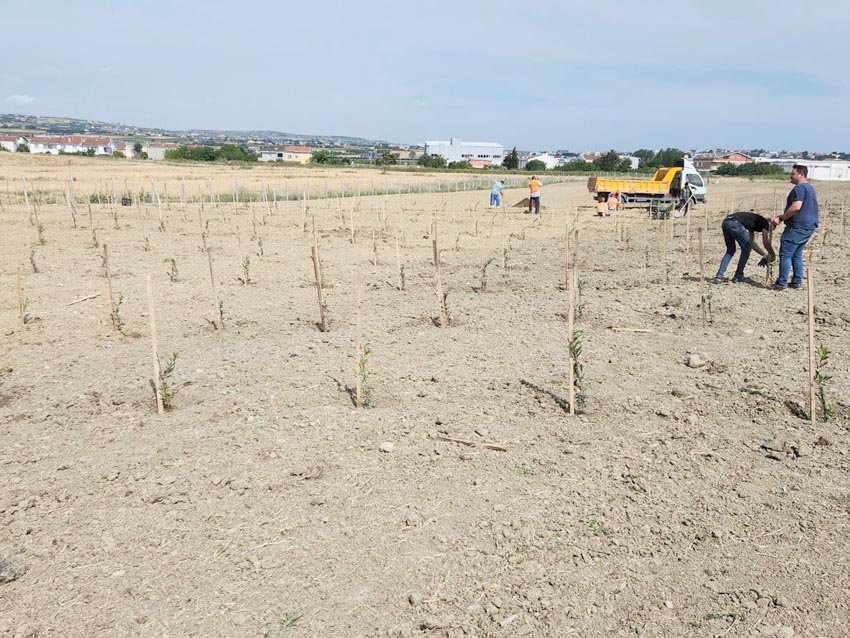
point(658, 185)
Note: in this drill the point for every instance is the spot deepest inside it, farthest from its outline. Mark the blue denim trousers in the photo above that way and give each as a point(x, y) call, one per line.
point(495, 199)
point(791, 247)
point(734, 232)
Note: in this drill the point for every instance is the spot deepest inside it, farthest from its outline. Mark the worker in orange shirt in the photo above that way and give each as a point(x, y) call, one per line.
point(614, 202)
point(602, 207)
point(534, 195)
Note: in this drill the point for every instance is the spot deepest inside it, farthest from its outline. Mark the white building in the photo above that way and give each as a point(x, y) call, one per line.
point(11, 142)
point(456, 150)
point(286, 153)
point(156, 151)
point(550, 160)
point(826, 170)
point(52, 144)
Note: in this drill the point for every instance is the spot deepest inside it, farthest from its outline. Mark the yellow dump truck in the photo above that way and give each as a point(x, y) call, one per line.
point(670, 185)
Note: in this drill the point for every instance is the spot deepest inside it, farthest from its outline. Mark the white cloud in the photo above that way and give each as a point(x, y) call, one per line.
point(20, 99)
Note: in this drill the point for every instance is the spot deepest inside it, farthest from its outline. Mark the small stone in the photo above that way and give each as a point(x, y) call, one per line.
point(774, 445)
point(692, 419)
point(663, 412)
point(779, 601)
point(432, 622)
point(111, 475)
point(696, 361)
point(414, 599)
point(784, 632)
point(19, 528)
point(803, 449)
point(823, 440)
point(763, 602)
point(11, 570)
point(668, 604)
point(387, 447)
point(475, 608)
point(679, 393)
point(533, 595)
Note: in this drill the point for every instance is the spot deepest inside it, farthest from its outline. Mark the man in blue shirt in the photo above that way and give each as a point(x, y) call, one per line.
point(801, 219)
point(496, 193)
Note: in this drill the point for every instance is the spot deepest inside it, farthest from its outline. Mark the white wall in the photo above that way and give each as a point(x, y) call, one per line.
point(826, 170)
point(54, 148)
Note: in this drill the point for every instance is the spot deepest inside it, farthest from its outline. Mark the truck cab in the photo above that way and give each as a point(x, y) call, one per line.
point(688, 179)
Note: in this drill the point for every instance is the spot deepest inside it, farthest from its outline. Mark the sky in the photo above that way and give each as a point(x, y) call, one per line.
point(542, 75)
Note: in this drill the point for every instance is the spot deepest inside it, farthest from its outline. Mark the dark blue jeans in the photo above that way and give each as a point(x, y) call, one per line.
point(791, 247)
point(734, 232)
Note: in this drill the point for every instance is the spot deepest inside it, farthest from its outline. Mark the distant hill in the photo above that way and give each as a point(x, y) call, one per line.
point(74, 126)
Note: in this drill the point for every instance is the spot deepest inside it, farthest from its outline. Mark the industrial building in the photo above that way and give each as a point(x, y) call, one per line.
point(477, 153)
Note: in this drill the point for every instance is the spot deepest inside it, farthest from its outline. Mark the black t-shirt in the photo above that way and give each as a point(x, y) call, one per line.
point(751, 221)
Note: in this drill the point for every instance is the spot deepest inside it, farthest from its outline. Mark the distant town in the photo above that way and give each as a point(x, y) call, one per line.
point(69, 136)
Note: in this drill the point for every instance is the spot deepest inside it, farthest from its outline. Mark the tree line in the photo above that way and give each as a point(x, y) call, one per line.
point(228, 152)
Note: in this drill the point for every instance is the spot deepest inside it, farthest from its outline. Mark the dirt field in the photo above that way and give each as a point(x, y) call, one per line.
point(687, 501)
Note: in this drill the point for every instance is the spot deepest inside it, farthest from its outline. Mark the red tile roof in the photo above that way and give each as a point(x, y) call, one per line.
point(297, 149)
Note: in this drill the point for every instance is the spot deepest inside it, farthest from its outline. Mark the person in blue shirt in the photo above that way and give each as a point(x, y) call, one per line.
point(496, 193)
point(801, 219)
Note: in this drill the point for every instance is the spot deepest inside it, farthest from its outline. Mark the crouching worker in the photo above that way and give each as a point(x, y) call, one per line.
point(614, 201)
point(602, 207)
point(740, 228)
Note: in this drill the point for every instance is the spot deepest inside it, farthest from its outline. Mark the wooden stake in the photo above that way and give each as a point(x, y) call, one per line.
point(664, 251)
point(82, 299)
point(483, 444)
point(571, 295)
point(810, 297)
point(323, 326)
point(113, 315)
point(216, 306)
point(156, 378)
point(155, 195)
point(701, 277)
point(358, 347)
point(316, 246)
point(21, 298)
point(438, 279)
point(398, 263)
